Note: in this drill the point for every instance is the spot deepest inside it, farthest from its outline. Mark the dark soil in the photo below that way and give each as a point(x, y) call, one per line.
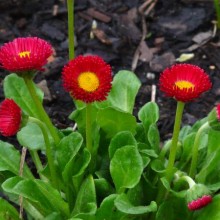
point(155, 36)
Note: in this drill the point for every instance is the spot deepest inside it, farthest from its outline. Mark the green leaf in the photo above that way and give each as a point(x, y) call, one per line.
point(198, 124)
point(86, 198)
point(136, 195)
point(125, 87)
point(184, 132)
point(121, 139)
point(31, 210)
point(154, 137)
point(210, 173)
point(113, 121)
point(213, 141)
point(68, 148)
point(124, 205)
point(54, 216)
point(16, 89)
point(7, 211)
point(149, 113)
point(40, 194)
point(78, 169)
point(158, 166)
point(31, 137)
point(150, 153)
point(108, 210)
point(173, 209)
point(188, 143)
point(126, 167)
point(10, 160)
point(103, 187)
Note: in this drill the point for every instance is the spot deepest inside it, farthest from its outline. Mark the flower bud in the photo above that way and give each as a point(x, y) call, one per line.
point(214, 118)
point(198, 196)
point(10, 117)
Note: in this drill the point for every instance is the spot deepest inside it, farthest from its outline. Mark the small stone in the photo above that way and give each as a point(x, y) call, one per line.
point(150, 76)
point(212, 67)
point(159, 63)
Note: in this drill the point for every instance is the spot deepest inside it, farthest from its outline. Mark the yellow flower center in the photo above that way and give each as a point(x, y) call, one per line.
point(182, 84)
point(88, 81)
point(24, 54)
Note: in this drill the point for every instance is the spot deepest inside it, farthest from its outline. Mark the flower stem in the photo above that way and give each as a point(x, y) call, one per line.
point(173, 148)
point(217, 11)
point(89, 127)
point(169, 169)
point(70, 8)
point(195, 149)
point(49, 154)
point(189, 180)
point(42, 115)
point(37, 162)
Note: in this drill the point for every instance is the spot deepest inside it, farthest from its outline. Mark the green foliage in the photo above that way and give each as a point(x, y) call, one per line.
point(126, 170)
point(15, 88)
point(86, 199)
point(125, 87)
point(7, 211)
point(172, 209)
point(32, 137)
point(10, 160)
point(124, 205)
point(40, 194)
point(113, 121)
point(123, 177)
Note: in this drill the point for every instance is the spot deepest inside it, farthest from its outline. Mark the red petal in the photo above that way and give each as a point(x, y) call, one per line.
point(10, 117)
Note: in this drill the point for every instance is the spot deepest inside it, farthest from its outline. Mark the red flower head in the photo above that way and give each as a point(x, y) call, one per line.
point(10, 117)
point(214, 118)
point(184, 82)
point(25, 54)
point(87, 78)
point(199, 203)
point(218, 112)
point(198, 196)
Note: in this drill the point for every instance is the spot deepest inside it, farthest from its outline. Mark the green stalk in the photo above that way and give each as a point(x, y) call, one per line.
point(217, 10)
point(173, 148)
point(89, 144)
point(89, 127)
point(70, 8)
point(48, 151)
point(42, 115)
point(195, 149)
point(37, 162)
point(189, 180)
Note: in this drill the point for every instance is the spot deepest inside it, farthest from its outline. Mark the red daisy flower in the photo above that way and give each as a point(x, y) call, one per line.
point(87, 78)
point(199, 203)
point(25, 54)
point(218, 111)
point(184, 82)
point(10, 117)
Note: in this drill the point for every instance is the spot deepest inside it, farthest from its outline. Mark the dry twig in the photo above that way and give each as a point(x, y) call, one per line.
point(23, 155)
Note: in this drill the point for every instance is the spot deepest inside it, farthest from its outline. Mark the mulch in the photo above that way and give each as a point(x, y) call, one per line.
point(144, 36)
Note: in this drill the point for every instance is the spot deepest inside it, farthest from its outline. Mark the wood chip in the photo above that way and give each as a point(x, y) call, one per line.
point(100, 35)
point(98, 15)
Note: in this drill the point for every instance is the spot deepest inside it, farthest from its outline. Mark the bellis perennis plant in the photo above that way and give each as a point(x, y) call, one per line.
point(113, 166)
